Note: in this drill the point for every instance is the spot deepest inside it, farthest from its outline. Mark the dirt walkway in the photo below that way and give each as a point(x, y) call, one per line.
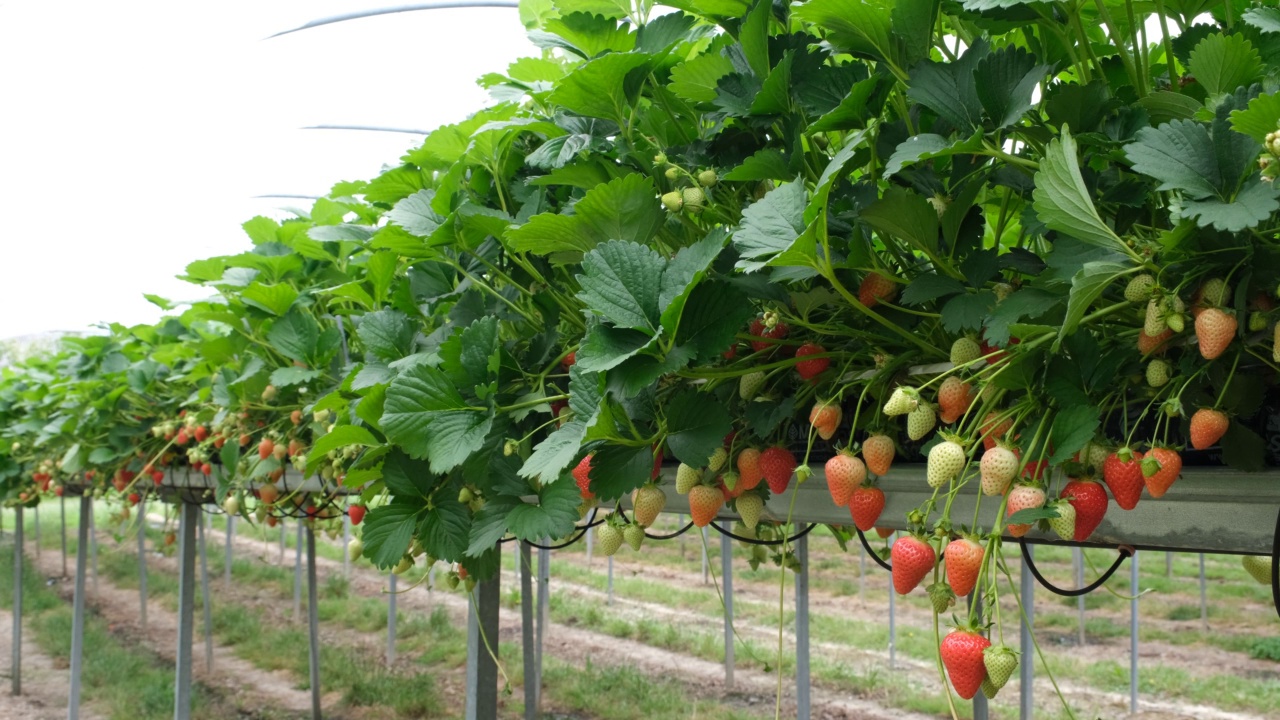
point(45, 681)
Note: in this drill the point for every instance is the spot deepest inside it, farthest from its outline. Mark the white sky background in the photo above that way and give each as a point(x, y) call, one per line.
point(133, 135)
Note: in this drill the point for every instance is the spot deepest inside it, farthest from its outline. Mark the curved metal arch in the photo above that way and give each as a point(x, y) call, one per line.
point(374, 12)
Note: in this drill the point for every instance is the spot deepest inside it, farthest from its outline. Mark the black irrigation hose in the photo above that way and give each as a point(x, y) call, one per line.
point(1125, 552)
point(754, 541)
point(673, 535)
point(874, 555)
point(1275, 566)
point(591, 522)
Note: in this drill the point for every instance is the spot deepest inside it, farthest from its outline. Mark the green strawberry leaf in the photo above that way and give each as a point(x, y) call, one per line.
point(553, 516)
point(1062, 201)
point(770, 227)
point(446, 527)
point(1222, 63)
point(696, 426)
point(387, 334)
point(1072, 429)
point(341, 437)
point(295, 335)
point(621, 282)
point(388, 531)
point(618, 469)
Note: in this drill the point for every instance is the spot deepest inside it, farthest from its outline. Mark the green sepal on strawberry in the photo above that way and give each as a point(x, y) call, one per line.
point(941, 597)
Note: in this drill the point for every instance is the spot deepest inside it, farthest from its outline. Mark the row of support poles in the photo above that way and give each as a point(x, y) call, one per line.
point(93, 548)
point(205, 605)
point(1077, 559)
point(77, 615)
point(16, 639)
point(544, 605)
point(188, 519)
point(62, 506)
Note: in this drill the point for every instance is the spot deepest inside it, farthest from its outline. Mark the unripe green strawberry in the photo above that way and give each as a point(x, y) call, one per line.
point(1176, 322)
point(1157, 373)
point(673, 173)
point(1064, 526)
point(1001, 662)
point(1139, 288)
point(693, 198)
point(988, 690)
point(609, 538)
point(920, 421)
point(686, 478)
point(998, 466)
point(1257, 322)
point(647, 502)
point(1002, 290)
point(633, 534)
point(964, 350)
point(1154, 324)
point(1215, 292)
point(941, 596)
point(672, 201)
point(660, 159)
point(1275, 344)
point(902, 401)
point(708, 178)
point(1258, 566)
point(946, 460)
point(750, 508)
point(749, 385)
point(717, 460)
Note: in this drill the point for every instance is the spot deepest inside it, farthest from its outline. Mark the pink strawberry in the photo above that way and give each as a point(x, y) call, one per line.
point(1022, 497)
point(913, 558)
point(1215, 329)
point(1207, 427)
point(825, 418)
point(778, 464)
point(749, 473)
point(865, 506)
point(704, 503)
point(964, 560)
point(954, 398)
point(1123, 473)
point(878, 453)
point(845, 472)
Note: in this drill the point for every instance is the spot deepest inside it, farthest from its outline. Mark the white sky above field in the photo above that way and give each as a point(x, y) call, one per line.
point(134, 135)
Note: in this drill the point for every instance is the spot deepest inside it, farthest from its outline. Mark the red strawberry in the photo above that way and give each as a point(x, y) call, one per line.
point(865, 506)
point(731, 353)
point(219, 441)
point(1035, 469)
point(202, 432)
point(268, 494)
point(265, 448)
point(749, 472)
point(1022, 497)
point(206, 469)
point(134, 498)
point(1214, 330)
point(1089, 499)
point(961, 653)
point(954, 398)
point(778, 464)
point(809, 369)
point(157, 476)
point(845, 473)
point(356, 513)
point(704, 502)
point(1160, 468)
point(992, 431)
point(757, 329)
point(825, 418)
point(181, 438)
point(568, 360)
point(964, 560)
point(913, 558)
point(884, 532)
point(876, 287)
point(878, 452)
point(1123, 473)
point(1153, 344)
point(1208, 427)
point(582, 476)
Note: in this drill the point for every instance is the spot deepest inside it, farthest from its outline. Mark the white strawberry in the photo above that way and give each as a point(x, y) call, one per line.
point(999, 466)
point(717, 460)
point(920, 421)
point(1064, 526)
point(686, 478)
point(609, 537)
point(1155, 322)
point(902, 401)
point(946, 460)
point(750, 507)
point(749, 385)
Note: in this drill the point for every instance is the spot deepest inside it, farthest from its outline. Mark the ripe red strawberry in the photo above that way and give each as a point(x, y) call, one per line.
point(201, 432)
point(825, 417)
point(265, 448)
point(1207, 427)
point(206, 469)
point(244, 439)
point(845, 473)
point(582, 476)
point(749, 472)
point(1160, 468)
point(356, 513)
point(1214, 330)
point(963, 557)
point(647, 502)
point(876, 287)
point(778, 464)
point(181, 438)
point(992, 430)
point(219, 441)
point(884, 532)
point(954, 398)
point(758, 329)
point(1089, 499)
point(568, 360)
point(1153, 345)
point(157, 476)
point(878, 452)
point(1022, 497)
point(865, 506)
point(704, 502)
point(1123, 473)
point(134, 498)
point(809, 369)
point(961, 653)
point(913, 559)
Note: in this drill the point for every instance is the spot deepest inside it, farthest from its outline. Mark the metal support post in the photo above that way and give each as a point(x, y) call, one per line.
point(189, 518)
point(297, 575)
point(706, 568)
point(802, 629)
point(282, 540)
point(35, 517)
point(93, 546)
point(17, 600)
point(204, 594)
point(226, 563)
point(544, 602)
point(979, 701)
point(1077, 557)
point(608, 600)
point(391, 619)
point(726, 572)
point(346, 545)
point(77, 617)
point(313, 623)
point(482, 651)
point(532, 691)
point(142, 562)
point(1168, 564)
point(591, 542)
point(1026, 667)
point(862, 573)
point(62, 505)
point(1204, 605)
point(680, 521)
point(1133, 634)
